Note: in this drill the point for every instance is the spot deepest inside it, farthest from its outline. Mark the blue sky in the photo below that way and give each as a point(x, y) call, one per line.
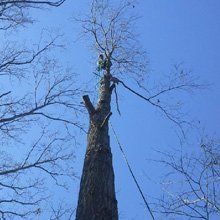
point(171, 32)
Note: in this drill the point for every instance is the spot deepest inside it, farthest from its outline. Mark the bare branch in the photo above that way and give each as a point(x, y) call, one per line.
point(198, 196)
point(42, 157)
point(13, 13)
point(50, 3)
point(88, 104)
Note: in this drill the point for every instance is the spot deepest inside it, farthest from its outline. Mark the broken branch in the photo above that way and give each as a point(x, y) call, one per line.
point(88, 104)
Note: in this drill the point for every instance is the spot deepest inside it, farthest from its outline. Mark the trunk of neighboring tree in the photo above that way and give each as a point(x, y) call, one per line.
point(97, 199)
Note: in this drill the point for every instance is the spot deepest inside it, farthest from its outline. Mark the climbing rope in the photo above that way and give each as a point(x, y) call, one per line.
point(132, 173)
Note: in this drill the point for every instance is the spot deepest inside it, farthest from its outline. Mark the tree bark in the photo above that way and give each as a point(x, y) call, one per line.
point(97, 200)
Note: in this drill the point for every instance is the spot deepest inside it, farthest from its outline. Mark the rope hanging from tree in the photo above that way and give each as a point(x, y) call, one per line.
point(132, 173)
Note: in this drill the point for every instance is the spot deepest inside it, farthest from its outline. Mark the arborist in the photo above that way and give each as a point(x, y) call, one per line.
point(103, 64)
point(100, 63)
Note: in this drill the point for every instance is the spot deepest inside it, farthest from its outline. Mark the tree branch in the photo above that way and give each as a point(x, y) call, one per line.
point(88, 104)
point(106, 119)
point(50, 3)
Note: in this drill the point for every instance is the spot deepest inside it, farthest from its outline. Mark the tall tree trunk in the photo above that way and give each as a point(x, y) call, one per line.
point(97, 200)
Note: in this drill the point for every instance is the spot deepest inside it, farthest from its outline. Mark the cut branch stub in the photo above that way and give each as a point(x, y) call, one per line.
point(88, 104)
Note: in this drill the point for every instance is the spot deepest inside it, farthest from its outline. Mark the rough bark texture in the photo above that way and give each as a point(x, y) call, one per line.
point(97, 199)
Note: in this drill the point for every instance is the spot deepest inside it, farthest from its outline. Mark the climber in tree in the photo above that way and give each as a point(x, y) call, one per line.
point(103, 64)
point(100, 63)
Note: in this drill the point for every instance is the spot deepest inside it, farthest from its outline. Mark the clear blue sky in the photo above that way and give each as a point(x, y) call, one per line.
point(171, 32)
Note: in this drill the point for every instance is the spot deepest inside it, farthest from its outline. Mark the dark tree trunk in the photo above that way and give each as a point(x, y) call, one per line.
point(97, 199)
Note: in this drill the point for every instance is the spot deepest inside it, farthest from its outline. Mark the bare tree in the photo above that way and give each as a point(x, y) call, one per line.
point(49, 90)
point(14, 13)
point(191, 188)
point(109, 29)
point(34, 92)
point(22, 183)
point(115, 38)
